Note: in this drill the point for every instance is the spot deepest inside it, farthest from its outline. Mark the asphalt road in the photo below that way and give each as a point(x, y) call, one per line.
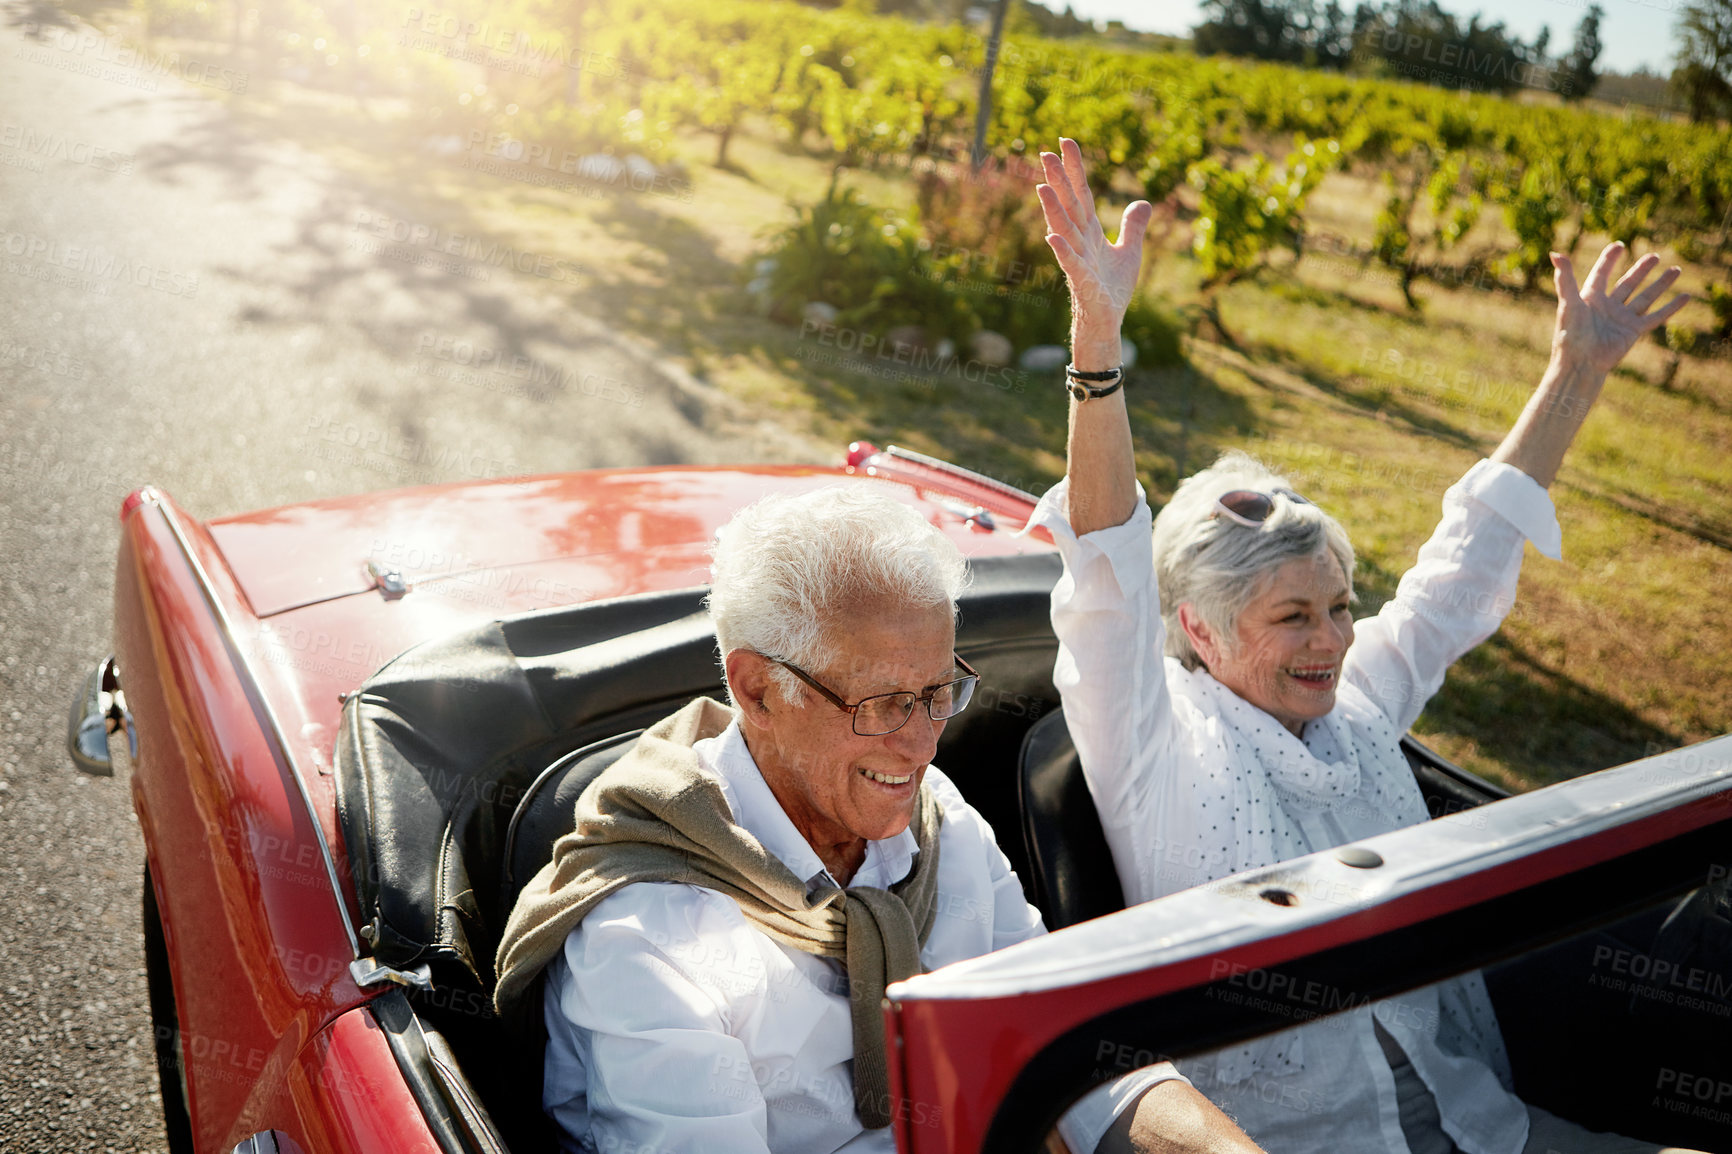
point(184, 305)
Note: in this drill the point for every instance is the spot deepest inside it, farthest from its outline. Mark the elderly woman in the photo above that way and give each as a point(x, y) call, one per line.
point(1230, 713)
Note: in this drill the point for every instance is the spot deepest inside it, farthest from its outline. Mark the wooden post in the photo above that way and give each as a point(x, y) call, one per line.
point(984, 112)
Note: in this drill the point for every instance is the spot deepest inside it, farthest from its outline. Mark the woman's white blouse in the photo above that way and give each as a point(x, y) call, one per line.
point(1193, 783)
point(675, 1025)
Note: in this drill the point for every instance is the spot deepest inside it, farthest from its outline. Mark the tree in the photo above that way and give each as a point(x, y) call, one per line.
point(1334, 42)
point(1244, 212)
point(1036, 19)
point(1576, 74)
point(1419, 39)
point(1265, 29)
point(1703, 77)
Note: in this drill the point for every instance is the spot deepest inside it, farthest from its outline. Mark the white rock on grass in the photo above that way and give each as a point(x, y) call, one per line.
point(990, 348)
point(911, 337)
point(818, 313)
point(600, 167)
point(1127, 353)
point(1044, 358)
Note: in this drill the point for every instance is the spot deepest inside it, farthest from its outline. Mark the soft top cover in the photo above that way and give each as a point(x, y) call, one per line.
point(437, 749)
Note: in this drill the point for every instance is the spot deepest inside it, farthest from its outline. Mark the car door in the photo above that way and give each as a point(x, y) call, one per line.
point(1597, 909)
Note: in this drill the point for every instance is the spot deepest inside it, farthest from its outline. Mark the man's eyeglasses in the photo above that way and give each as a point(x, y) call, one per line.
point(887, 712)
point(1249, 507)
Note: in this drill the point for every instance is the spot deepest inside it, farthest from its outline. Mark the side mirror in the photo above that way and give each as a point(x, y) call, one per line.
point(98, 709)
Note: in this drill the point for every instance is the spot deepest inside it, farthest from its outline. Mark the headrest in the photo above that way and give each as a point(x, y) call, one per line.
point(1071, 869)
point(544, 815)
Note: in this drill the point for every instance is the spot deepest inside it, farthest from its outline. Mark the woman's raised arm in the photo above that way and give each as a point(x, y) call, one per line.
point(1102, 276)
point(1597, 325)
point(1105, 608)
point(1463, 583)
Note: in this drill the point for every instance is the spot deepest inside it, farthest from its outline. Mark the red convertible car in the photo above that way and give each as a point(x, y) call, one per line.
point(350, 724)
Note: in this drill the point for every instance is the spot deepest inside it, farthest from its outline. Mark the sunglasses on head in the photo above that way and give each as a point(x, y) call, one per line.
point(1249, 507)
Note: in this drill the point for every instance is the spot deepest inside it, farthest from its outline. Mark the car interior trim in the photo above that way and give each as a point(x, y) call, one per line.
point(941, 466)
point(456, 1118)
point(372, 972)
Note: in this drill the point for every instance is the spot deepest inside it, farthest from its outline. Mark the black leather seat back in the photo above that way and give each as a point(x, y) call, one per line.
point(1071, 874)
point(441, 745)
point(545, 813)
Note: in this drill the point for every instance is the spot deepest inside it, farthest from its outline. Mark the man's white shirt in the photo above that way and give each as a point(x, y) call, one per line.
point(675, 1025)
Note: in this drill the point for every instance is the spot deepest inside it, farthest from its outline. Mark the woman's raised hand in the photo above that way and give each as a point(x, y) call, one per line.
point(1598, 325)
point(1101, 465)
point(1102, 275)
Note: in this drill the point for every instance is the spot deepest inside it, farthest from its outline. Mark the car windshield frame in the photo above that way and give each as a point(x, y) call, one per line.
point(1445, 897)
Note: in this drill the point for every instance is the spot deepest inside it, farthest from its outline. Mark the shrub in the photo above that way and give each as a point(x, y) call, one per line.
point(979, 261)
point(1243, 213)
point(1533, 208)
point(1720, 301)
point(178, 17)
point(983, 235)
point(846, 253)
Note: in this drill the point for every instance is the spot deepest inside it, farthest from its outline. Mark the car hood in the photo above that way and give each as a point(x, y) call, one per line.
point(524, 543)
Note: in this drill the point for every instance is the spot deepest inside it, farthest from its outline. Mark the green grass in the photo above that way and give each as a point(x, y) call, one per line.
point(1615, 652)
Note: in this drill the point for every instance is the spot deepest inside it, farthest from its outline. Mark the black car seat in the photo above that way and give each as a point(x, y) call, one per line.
point(1071, 873)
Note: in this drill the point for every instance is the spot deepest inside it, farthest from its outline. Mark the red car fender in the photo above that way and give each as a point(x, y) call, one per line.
point(256, 936)
point(342, 1094)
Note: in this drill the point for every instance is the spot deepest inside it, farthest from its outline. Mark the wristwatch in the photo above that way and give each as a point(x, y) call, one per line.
point(1077, 383)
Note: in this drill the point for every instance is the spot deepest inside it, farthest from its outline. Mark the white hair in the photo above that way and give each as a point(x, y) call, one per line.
point(788, 567)
point(1219, 565)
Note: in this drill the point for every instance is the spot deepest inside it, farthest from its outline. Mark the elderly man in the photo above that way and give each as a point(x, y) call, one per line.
point(738, 875)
